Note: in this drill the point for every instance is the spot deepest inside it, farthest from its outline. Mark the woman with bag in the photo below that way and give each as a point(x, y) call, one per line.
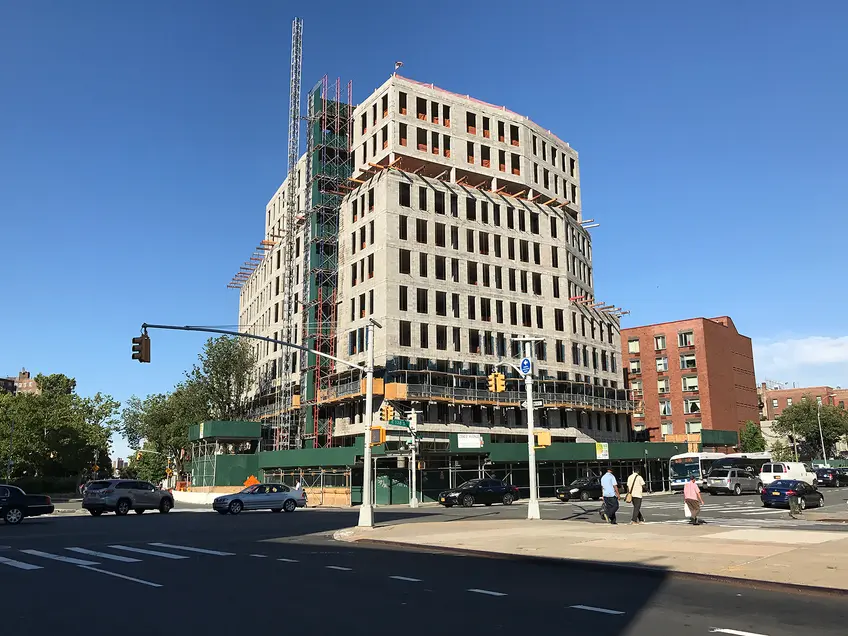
point(635, 485)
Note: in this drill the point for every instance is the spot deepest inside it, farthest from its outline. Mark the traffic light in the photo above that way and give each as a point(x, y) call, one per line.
point(138, 456)
point(497, 382)
point(378, 435)
point(141, 348)
point(387, 412)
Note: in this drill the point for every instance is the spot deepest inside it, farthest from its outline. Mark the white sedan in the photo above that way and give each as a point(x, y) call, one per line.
point(274, 497)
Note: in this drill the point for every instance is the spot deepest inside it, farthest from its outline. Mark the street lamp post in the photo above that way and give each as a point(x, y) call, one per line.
point(413, 426)
point(821, 435)
point(366, 510)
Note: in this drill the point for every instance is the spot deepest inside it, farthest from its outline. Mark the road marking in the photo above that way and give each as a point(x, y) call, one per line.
point(486, 592)
point(260, 556)
point(289, 560)
point(338, 567)
point(735, 632)
point(190, 549)
point(165, 555)
point(405, 578)
point(121, 576)
point(57, 557)
point(20, 564)
point(103, 555)
point(601, 610)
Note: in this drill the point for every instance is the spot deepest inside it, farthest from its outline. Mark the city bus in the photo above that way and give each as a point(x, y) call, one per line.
point(752, 462)
point(686, 465)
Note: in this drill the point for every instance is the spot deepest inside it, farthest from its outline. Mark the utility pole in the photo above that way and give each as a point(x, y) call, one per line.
point(11, 438)
point(821, 435)
point(413, 425)
point(526, 370)
point(366, 510)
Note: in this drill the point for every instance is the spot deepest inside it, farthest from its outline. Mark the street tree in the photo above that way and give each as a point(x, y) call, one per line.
point(225, 375)
point(148, 465)
point(801, 421)
point(751, 438)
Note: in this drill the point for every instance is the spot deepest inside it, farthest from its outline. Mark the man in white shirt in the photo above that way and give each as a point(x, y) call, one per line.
point(610, 492)
point(635, 486)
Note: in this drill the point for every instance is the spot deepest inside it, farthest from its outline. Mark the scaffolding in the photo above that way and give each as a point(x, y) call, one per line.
point(329, 134)
point(203, 464)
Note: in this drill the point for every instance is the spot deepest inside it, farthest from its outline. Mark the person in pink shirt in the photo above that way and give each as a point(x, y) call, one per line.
point(692, 497)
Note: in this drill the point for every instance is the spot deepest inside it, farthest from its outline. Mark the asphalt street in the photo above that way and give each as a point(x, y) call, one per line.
point(212, 574)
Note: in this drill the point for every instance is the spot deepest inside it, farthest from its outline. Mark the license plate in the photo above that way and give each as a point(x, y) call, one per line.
point(776, 494)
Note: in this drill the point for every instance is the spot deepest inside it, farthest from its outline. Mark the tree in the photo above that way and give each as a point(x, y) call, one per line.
point(55, 384)
point(225, 376)
point(751, 438)
point(781, 452)
point(801, 421)
point(150, 466)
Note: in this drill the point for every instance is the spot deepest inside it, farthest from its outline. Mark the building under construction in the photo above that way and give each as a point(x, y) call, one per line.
point(457, 225)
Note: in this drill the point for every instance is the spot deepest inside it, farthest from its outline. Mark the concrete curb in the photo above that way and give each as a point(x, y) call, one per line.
point(347, 535)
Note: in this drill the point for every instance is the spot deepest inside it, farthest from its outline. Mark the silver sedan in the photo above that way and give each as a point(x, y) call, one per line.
point(274, 497)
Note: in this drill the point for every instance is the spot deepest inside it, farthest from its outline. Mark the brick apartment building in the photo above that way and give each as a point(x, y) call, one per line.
point(690, 376)
point(774, 399)
point(23, 383)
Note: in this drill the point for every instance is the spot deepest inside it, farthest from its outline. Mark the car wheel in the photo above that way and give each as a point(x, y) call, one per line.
point(737, 490)
point(766, 504)
point(13, 516)
point(235, 507)
point(290, 505)
point(760, 489)
point(508, 499)
point(122, 507)
point(222, 512)
point(803, 503)
point(467, 501)
point(584, 496)
point(139, 511)
point(165, 505)
point(712, 492)
point(95, 513)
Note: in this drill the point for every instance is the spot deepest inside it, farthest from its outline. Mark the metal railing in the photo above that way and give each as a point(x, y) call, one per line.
point(483, 396)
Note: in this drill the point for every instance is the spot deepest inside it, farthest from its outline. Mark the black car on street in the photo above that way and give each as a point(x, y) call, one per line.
point(584, 489)
point(484, 491)
point(833, 477)
point(15, 504)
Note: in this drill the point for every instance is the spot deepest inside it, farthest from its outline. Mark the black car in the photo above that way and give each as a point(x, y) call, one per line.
point(15, 504)
point(584, 489)
point(833, 477)
point(484, 491)
point(778, 492)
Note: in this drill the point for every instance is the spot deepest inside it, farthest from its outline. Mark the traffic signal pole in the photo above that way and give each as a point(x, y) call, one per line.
point(366, 510)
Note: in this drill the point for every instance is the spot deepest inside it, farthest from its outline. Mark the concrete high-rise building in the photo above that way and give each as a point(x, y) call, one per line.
point(693, 381)
point(460, 228)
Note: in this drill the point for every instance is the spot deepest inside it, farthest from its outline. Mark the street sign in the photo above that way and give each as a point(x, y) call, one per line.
point(404, 423)
point(601, 450)
point(526, 366)
point(536, 404)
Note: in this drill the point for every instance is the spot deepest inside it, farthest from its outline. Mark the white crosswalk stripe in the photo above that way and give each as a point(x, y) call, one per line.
point(164, 555)
point(191, 549)
point(105, 555)
point(58, 557)
point(19, 564)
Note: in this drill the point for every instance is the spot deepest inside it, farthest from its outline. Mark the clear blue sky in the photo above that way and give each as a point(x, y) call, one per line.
point(712, 144)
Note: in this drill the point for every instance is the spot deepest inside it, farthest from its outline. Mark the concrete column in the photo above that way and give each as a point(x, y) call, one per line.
point(453, 175)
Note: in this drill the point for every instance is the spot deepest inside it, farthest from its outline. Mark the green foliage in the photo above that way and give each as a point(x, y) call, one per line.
point(801, 420)
point(149, 467)
point(781, 452)
point(57, 433)
point(225, 375)
point(751, 438)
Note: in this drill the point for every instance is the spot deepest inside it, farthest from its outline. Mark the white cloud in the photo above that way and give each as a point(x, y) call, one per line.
point(814, 360)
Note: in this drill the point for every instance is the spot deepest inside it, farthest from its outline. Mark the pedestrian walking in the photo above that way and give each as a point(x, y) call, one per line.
point(693, 499)
point(635, 486)
point(609, 487)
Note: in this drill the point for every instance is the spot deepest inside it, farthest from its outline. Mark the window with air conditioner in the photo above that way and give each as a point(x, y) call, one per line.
point(662, 385)
point(690, 383)
point(685, 339)
point(636, 386)
point(659, 343)
point(662, 364)
point(687, 361)
point(692, 406)
point(633, 346)
point(666, 428)
point(693, 426)
point(635, 366)
point(665, 407)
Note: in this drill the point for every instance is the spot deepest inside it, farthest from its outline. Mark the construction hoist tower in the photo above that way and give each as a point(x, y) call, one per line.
point(288, 431)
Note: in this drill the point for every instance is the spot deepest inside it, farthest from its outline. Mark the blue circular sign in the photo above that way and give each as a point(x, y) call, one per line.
point(525, 365)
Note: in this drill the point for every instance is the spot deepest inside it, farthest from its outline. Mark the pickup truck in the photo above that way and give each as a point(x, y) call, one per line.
point(15, 504)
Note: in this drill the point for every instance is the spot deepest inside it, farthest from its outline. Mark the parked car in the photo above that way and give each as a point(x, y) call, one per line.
point(777, 494)
point(122, 495)
point(786, 470)
point(15, 504)
point(833, 477)
point(735, 480)
point(583, 488)
point(484, 491)
point(273, 497)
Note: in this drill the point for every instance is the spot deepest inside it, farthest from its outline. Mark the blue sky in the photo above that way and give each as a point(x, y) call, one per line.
point(711, 142)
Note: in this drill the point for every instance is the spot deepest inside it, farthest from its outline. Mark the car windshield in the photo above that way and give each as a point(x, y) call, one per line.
point(823, 471)
point(470, 484)
point(248, 490)
point(98, 485)
point(582, 481)
point(685, 468)
point(719, 473)
point(782, 484)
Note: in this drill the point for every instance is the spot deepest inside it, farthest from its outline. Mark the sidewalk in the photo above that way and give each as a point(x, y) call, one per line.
point(795, 557)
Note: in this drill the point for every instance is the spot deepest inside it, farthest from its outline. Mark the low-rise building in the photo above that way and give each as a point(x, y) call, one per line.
point(775, 398)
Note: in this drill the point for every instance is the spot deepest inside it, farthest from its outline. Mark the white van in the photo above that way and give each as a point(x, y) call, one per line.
point(786, 470)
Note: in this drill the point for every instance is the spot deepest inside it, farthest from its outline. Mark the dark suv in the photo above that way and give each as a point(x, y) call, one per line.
point(122, 495)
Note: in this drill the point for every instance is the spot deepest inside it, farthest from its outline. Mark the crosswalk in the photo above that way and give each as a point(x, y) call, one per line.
point(674, 508)
point(30, 559)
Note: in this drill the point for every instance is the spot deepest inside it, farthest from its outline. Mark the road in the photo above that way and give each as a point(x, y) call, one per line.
point(212, 574)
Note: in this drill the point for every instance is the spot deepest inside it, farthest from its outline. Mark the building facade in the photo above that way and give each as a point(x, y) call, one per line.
point(774, 399)
point(22, 383)
point(690, 376)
